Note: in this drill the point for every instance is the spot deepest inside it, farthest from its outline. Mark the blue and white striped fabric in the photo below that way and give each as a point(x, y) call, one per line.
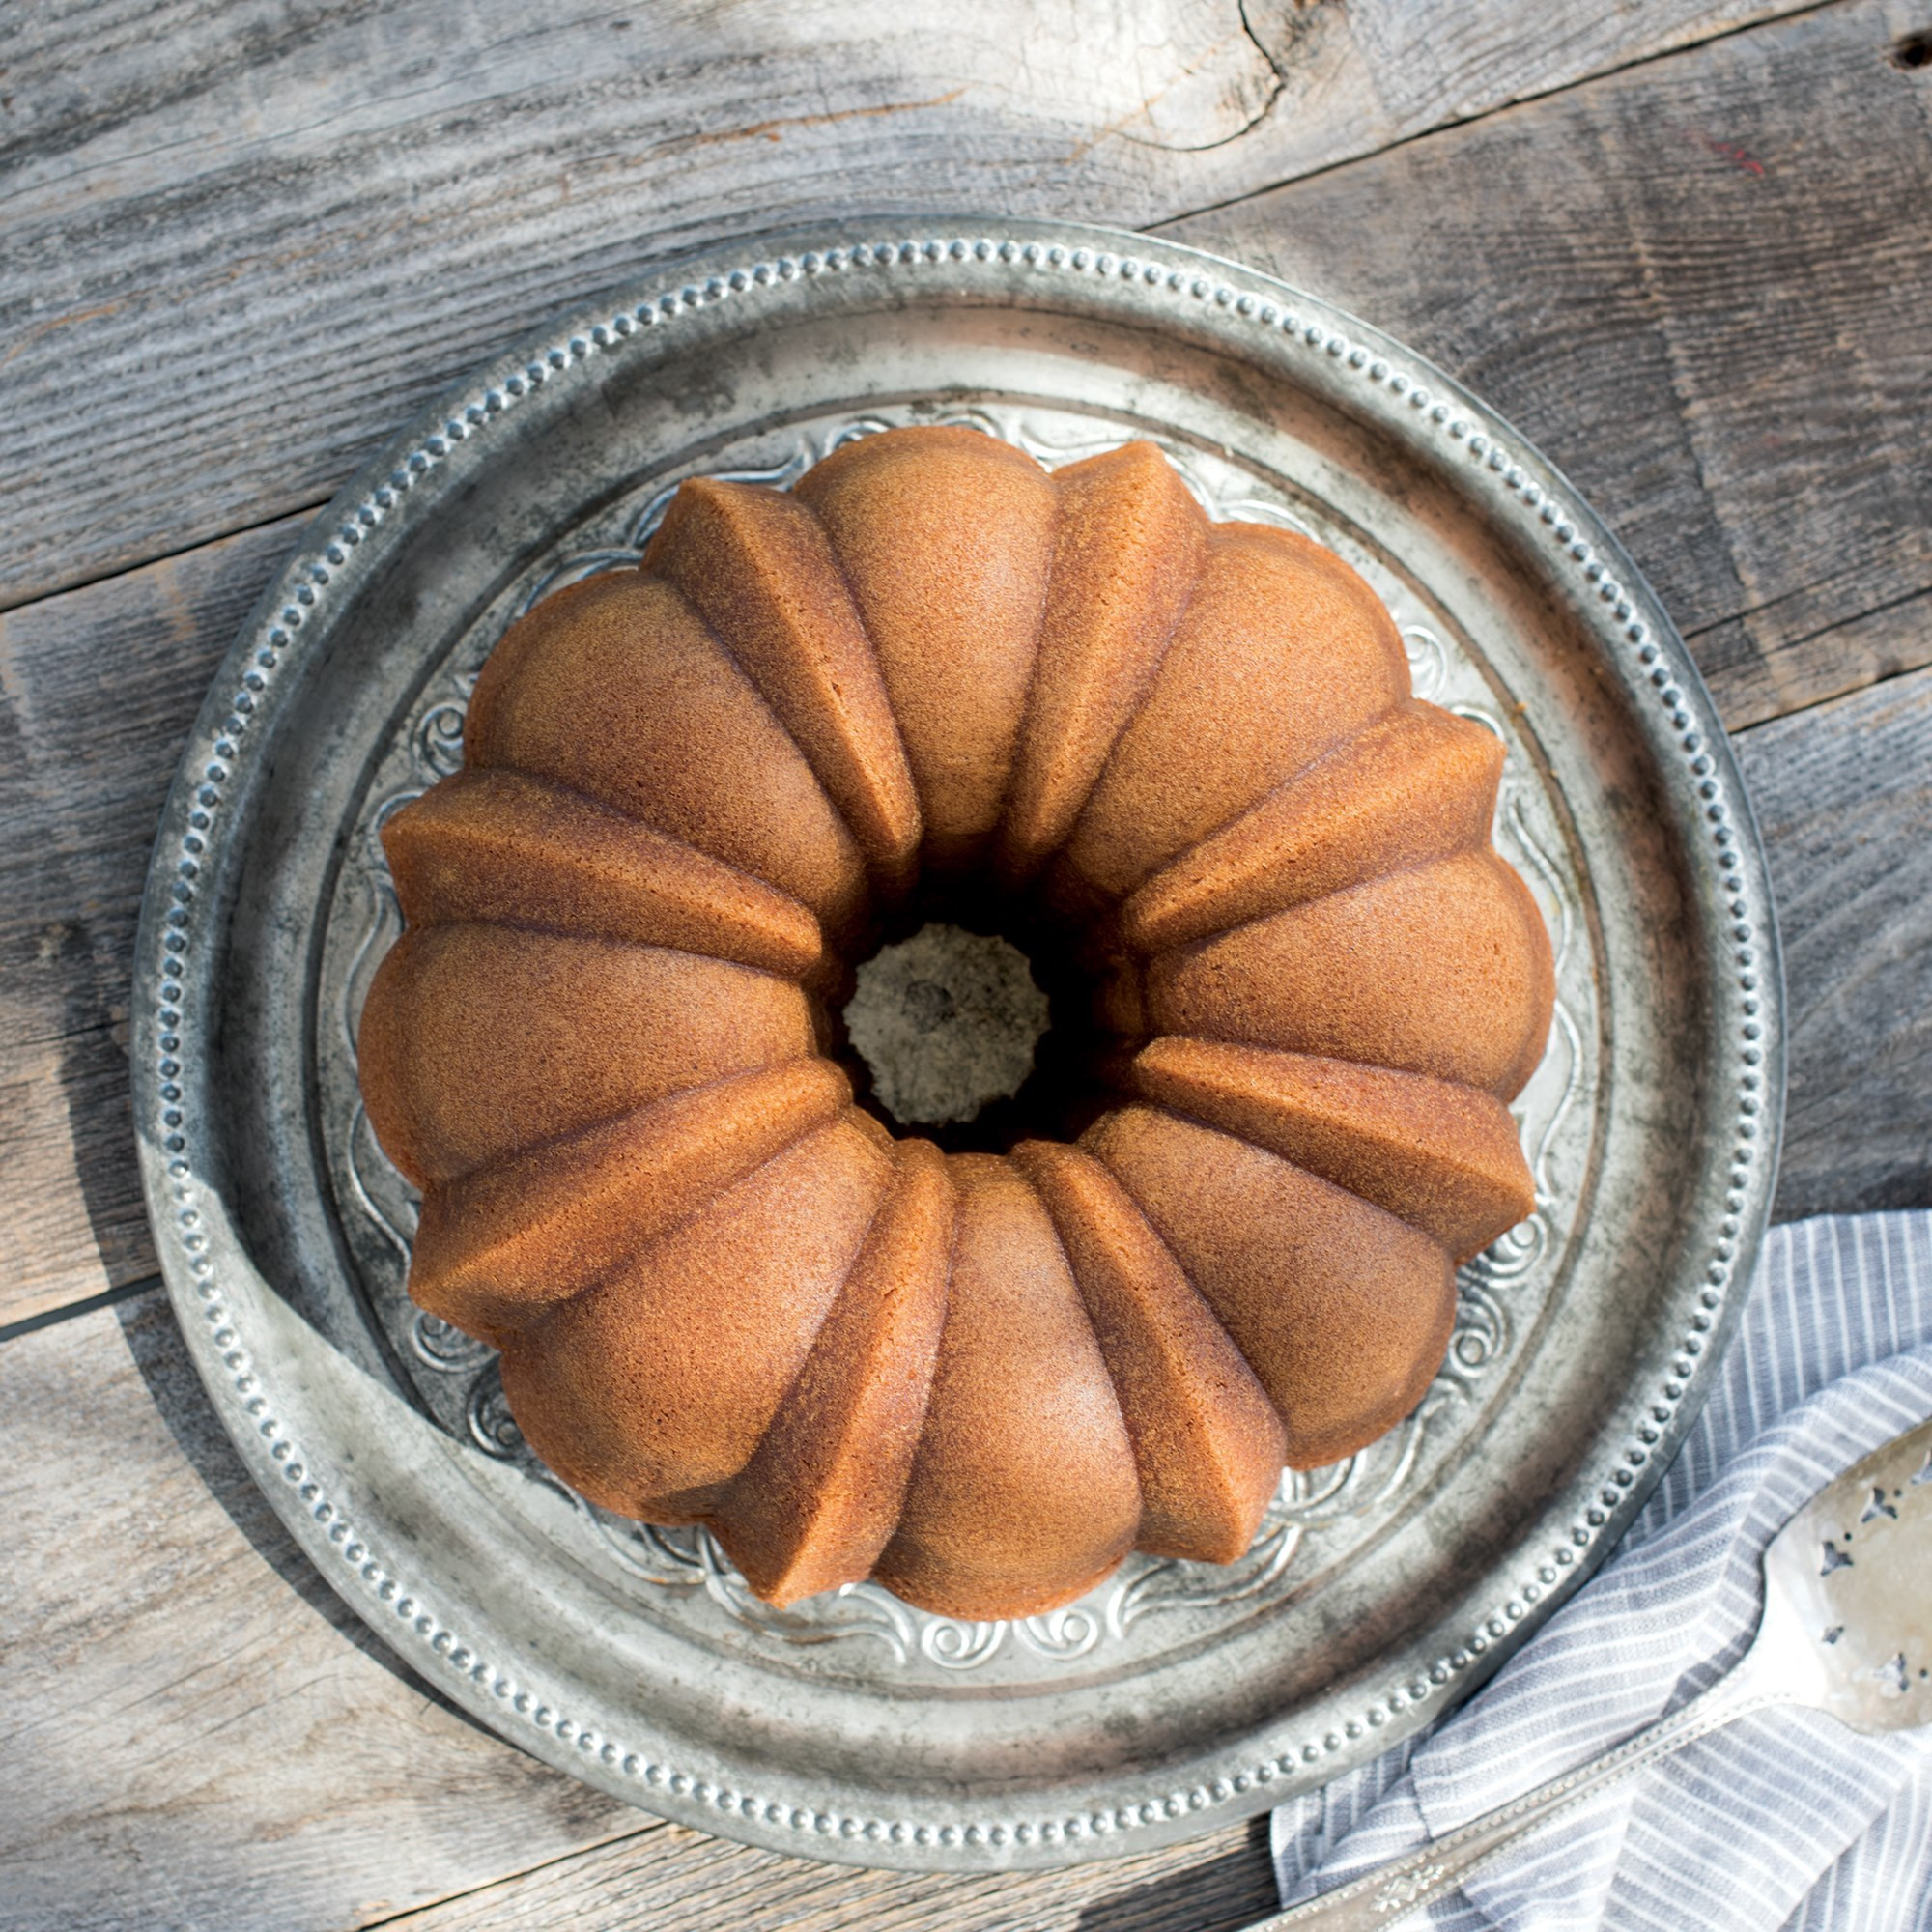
point(1785, 1818)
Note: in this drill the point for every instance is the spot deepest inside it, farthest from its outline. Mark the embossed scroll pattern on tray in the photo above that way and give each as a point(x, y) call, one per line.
point(683, 1573)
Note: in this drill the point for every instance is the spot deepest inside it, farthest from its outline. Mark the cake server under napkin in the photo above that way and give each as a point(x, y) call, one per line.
point(1847, 1628)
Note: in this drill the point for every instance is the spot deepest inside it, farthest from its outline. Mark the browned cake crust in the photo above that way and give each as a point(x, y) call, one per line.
point(1185, 752)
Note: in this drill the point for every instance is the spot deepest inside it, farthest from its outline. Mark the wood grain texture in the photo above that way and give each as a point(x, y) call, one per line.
point(1703, 286)
point(98, 689)
point(246, 239)
point(197, 1733)
point(671, 1880)
point(1844, 796)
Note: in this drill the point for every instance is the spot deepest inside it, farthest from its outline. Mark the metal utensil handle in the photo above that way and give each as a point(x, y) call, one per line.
point(1388, 1893)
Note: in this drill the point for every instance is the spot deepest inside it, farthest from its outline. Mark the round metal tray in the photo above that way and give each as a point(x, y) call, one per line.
point(1176, 1697)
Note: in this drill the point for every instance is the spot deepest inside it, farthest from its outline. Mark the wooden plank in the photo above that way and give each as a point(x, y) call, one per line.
point(1704, 287)
point(97, 689)
point(672, 1880)
point(1844, 796)
point(197, 1733)
point(200, 1735)
point(243, 243)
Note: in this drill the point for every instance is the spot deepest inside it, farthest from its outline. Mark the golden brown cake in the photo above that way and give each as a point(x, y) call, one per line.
point(1295, 988)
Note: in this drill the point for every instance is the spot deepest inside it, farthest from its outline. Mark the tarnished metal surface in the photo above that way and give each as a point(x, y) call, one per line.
point(1176, 1695)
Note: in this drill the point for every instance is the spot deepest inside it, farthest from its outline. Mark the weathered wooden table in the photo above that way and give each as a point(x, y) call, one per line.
point(1685, 244)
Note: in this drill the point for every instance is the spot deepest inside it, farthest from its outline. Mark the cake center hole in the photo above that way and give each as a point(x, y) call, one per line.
point(947, 1023)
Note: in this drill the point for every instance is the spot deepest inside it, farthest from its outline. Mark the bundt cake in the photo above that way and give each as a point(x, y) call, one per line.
point(1294, 988)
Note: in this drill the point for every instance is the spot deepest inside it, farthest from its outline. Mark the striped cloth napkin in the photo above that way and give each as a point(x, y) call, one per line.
point(1785, 1818)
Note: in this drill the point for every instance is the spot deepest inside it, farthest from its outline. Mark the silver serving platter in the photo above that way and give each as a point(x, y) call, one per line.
point(1176, 1697)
